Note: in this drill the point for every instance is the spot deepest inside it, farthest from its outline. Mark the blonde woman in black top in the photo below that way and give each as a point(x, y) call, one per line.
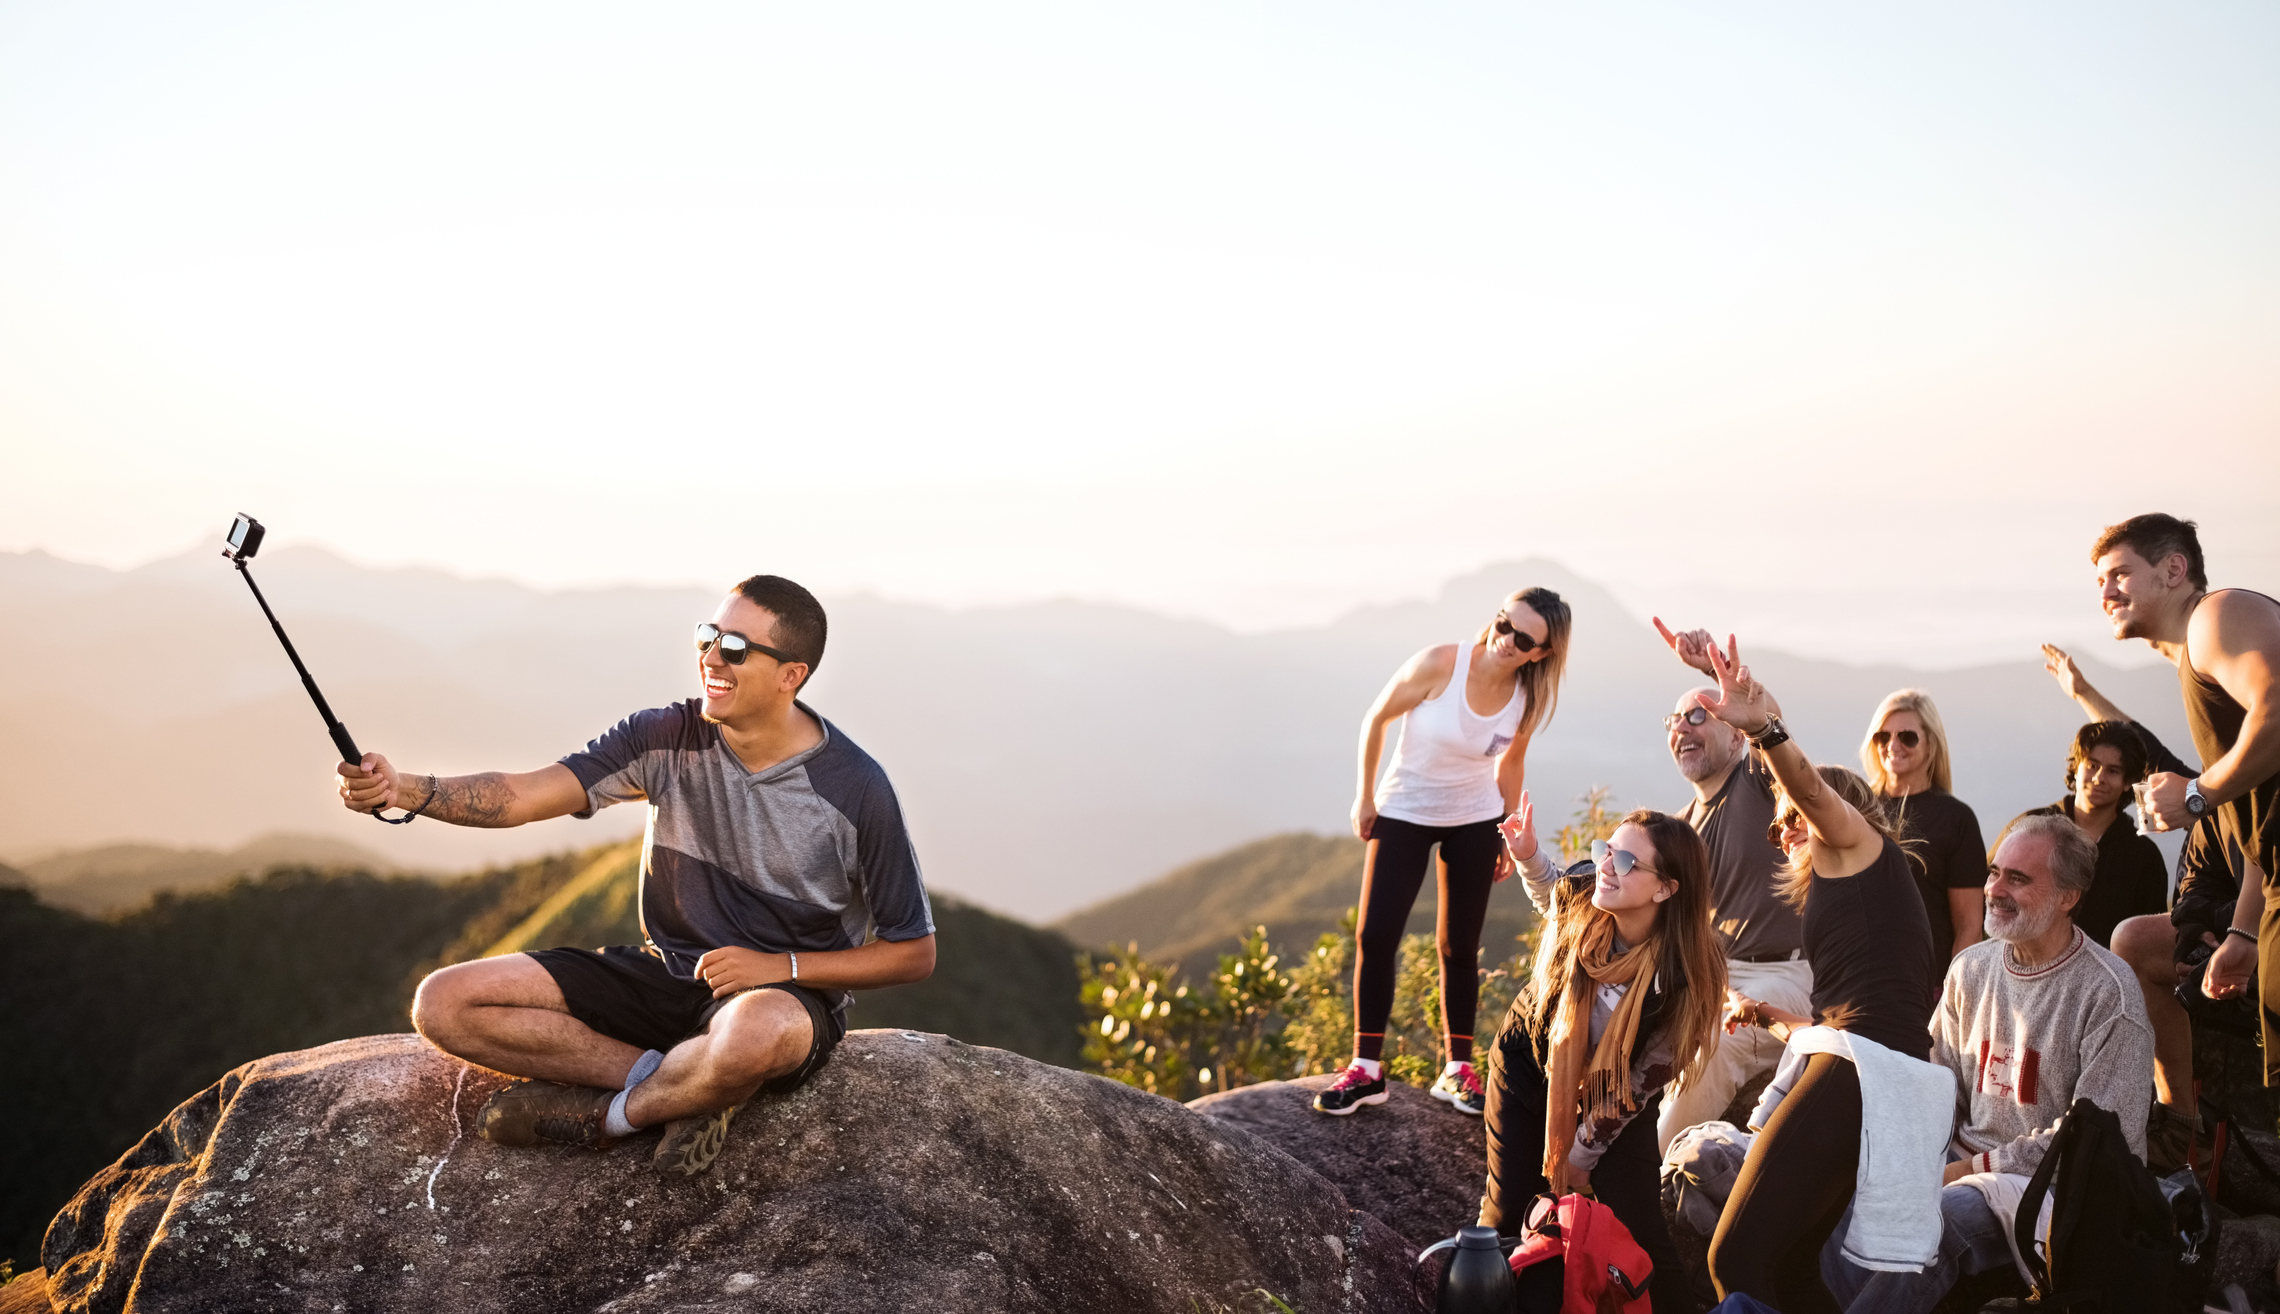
point(1905, 757)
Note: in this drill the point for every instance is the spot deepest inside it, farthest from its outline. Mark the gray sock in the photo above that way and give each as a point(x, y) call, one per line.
point(643, 1067)
point(615, 1124)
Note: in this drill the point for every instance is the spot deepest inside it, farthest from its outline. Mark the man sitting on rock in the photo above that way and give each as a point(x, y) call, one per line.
point(776, 876)
point(2030, 1020)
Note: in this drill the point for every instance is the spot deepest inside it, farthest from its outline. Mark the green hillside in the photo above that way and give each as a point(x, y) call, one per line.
point(115, 1021)
point(112, 878)
point(1296, 885)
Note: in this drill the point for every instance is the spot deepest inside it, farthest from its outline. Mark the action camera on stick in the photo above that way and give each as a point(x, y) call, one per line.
point(245, 540)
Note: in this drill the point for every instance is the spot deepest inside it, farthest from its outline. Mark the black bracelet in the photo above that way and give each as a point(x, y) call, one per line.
point(410, 817)
point(2249, 936)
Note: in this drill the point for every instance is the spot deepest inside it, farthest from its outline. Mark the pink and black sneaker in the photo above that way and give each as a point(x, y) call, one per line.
point(1461, 1089)
point(1354, 1088)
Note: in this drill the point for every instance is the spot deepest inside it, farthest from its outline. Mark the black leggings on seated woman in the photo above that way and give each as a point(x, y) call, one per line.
point(1792, 1193)
point(1626, 1179)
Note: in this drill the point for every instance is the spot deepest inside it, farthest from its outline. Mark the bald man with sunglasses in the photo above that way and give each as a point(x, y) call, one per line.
point(1763, 937)
point(776, 876)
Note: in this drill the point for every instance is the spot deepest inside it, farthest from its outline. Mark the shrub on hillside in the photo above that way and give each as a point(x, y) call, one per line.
point(1254, 1020)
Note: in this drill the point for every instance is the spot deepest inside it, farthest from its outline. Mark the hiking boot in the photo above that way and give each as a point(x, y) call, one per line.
point(1461, 1090)
point(1354, 1088)
point(691, 1144)
point(2170, 1140)
point(546, 1113)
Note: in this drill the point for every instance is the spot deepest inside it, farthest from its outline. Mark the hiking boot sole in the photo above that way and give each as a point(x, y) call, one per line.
point(691, 1144)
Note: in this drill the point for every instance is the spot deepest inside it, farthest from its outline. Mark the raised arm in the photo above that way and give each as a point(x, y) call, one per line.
point(1539, 875)
point(2095, 705)
point(493, 799)
point(1843, 843)
point(1411, 685)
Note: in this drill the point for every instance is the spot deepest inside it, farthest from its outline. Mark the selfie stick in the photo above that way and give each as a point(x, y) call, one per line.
point(244, 541)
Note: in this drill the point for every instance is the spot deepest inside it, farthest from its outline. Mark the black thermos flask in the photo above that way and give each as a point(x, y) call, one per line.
point(1477, 1279)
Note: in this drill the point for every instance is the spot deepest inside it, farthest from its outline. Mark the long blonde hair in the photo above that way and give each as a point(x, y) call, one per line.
point(1540, 679)
point(1795, 878)
point(1935, 740)
point(1682, 939)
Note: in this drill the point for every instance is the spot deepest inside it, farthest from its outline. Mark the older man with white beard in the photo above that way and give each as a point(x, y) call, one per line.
point(1764, 938)
point(2030, 1020)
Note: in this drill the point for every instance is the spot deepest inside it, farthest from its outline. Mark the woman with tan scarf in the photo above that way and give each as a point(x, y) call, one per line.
point(1626, 995)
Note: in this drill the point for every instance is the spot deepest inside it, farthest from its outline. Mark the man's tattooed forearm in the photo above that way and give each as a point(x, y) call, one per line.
point(472, 800)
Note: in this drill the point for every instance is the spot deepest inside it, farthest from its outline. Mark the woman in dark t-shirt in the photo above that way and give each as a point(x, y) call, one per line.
point(1868, 939)
point(1905, 756)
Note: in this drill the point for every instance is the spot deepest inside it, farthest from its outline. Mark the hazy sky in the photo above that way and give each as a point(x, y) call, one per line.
point(1870, 318)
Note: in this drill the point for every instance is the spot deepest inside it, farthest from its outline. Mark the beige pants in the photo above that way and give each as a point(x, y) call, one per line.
point(1743, 1055)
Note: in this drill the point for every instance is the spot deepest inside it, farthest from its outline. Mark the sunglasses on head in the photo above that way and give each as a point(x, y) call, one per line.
point(1692, 716)
point(1620, 861)
point(1521, 639)
point(1907, 738)
point(734, 647)
point(1780, 824)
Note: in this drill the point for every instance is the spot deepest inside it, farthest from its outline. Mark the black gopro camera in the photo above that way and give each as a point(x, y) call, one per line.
point(244, 539)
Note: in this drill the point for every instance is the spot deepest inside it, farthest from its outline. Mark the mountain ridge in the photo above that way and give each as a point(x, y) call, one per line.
point(1047, 755)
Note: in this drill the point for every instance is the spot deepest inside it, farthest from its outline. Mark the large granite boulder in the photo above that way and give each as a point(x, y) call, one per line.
point(914, 1172)
point(1413, 1161)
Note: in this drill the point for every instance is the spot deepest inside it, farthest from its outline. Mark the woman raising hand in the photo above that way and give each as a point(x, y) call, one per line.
point(1626, 993)
point(1868, 938)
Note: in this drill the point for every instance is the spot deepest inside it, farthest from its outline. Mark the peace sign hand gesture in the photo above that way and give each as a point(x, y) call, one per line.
point(1519, 831)
point(1741, 701)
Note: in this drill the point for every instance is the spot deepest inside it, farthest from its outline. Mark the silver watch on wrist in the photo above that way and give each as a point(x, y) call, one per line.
point(2196, 802)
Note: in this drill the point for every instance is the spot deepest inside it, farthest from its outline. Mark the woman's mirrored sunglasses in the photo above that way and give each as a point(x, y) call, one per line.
point(1907, 738)
point(1692, 716)
point(1781, 824)
point(1620, 861)
point(734, 647)
point(1521, 639)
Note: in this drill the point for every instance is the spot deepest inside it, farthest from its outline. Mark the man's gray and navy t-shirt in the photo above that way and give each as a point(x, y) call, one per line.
point(808, 854)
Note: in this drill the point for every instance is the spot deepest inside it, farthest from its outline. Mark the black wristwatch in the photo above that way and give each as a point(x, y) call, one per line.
point(2195, 801)
point(1773, 734)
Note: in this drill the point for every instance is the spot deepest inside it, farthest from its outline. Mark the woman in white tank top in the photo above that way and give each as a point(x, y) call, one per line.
point(1467, 711)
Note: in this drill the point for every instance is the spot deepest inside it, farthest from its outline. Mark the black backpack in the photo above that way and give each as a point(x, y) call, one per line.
point(2113, 1234)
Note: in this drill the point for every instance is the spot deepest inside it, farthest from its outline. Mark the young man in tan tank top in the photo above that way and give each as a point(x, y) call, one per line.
point(2226, 647)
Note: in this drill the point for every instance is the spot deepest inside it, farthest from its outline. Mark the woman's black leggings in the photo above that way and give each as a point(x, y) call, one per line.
point(1626, 1179)
point(1792, 1192)
point(1391, 876)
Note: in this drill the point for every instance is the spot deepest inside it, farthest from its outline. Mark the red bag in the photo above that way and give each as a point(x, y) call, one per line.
point(1605, 1270)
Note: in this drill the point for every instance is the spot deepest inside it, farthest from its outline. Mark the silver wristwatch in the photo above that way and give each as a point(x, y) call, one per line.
point(2196, 802)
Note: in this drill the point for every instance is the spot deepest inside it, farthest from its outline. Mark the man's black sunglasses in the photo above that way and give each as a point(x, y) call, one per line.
point(1692, 716)
point(734, 647)
point(1521, 639)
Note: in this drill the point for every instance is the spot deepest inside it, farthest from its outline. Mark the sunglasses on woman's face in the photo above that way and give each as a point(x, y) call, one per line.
point(1521, 639)
point(734, 647)
point(1780, 826)
point(1907, 738)
point(1692, 716)
point(1620, 861)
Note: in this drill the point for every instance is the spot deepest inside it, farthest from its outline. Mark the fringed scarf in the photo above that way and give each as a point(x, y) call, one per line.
point(1605, 1087)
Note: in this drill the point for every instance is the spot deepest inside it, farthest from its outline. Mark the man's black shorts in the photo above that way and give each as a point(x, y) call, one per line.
point(627, 993)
